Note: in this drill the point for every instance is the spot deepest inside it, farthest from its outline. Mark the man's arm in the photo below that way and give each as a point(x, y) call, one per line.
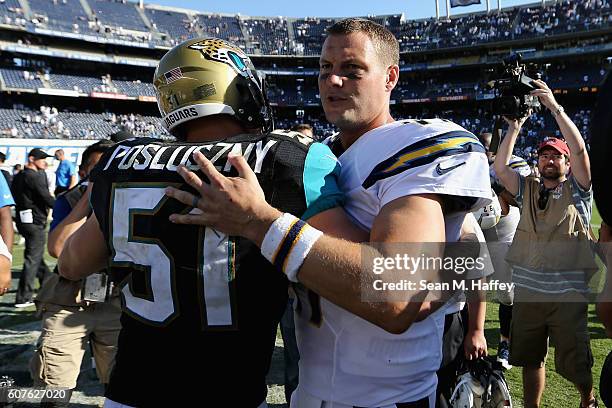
point(73, 181)
point(336, 223)
point(6, 227)
point(475, 344)
point(70, 224)
point(581, 166)
point(508, 177)
point(84, 251)
point(5, 268)
point(333, 268)
point(73, 176)
point(39, 185)
point(6, 217)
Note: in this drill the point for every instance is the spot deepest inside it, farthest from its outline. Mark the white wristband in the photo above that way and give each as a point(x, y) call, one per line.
point(275, 235)
point(287, 243)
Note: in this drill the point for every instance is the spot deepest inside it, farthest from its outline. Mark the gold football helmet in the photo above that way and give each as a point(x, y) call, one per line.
point(202, 77)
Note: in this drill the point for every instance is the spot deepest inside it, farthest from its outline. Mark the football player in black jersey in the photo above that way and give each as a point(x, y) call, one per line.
point(194, 325)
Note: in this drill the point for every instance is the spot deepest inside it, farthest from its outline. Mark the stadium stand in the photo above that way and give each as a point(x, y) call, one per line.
point(20, 79)
point(177, 26)
point(11, 13)
point(563, 17)
point(226, 27)
point(60, 15)
point(82, 84)
point(268, 36)
point(471, 29)
point(309, 32)
point(119, 14)
point(413, 35)
point(134, 88)
point(74, 125)
point(121, 20)
point(423, 90)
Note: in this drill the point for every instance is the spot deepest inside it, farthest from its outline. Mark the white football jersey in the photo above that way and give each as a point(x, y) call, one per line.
point(344, 358)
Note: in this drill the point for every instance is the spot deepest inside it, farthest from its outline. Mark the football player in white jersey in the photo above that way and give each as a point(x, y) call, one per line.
point(405, 182)
point(501, 236)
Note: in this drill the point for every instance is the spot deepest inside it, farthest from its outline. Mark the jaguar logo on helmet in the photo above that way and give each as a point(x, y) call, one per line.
point(221, 51)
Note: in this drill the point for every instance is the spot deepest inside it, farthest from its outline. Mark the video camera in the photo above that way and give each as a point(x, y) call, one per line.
point(512, 88)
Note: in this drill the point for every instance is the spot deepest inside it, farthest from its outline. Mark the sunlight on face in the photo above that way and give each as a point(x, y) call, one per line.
point(352, 81)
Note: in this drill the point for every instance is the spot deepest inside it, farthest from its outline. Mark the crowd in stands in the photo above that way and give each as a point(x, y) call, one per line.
point(308, 33)
point(538, 126)
point(11, 13)
point(282, 36)
point(563, 17)
point(17, 78)
point(49, 123)
point(297, 91)
point(61, 15)
point(120, 19)
point(268, 36)
point(177, 26)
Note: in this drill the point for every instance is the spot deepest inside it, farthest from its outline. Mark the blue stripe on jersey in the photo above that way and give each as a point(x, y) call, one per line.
point(320, 178)
point(425, 152)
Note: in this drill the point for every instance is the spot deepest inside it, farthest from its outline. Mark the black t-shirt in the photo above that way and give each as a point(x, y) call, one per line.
point(200, 308)
point(30, 190)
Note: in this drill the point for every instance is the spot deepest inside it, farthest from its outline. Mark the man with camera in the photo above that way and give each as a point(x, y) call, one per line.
point(551, 256)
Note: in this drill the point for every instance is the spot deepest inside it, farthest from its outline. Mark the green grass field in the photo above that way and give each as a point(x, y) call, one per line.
point(558, 393)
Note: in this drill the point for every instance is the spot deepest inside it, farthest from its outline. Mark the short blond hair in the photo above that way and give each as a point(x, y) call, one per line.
point(384, 41)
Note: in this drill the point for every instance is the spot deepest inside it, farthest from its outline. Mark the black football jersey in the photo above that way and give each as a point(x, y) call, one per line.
point(200, 308)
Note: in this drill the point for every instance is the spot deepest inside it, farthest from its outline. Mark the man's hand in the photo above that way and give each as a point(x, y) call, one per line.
point(232, 205)
point(475, 345)
point(515, 124)
point(5, 275)
point(545, 94)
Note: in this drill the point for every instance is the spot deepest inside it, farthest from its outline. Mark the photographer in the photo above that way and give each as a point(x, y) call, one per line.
point(555, 208)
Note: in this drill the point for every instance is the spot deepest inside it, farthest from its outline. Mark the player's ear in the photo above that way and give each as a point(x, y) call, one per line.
point(392, 77)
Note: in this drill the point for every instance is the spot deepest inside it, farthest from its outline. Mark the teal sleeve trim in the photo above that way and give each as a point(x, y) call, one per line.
point(320, 178)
